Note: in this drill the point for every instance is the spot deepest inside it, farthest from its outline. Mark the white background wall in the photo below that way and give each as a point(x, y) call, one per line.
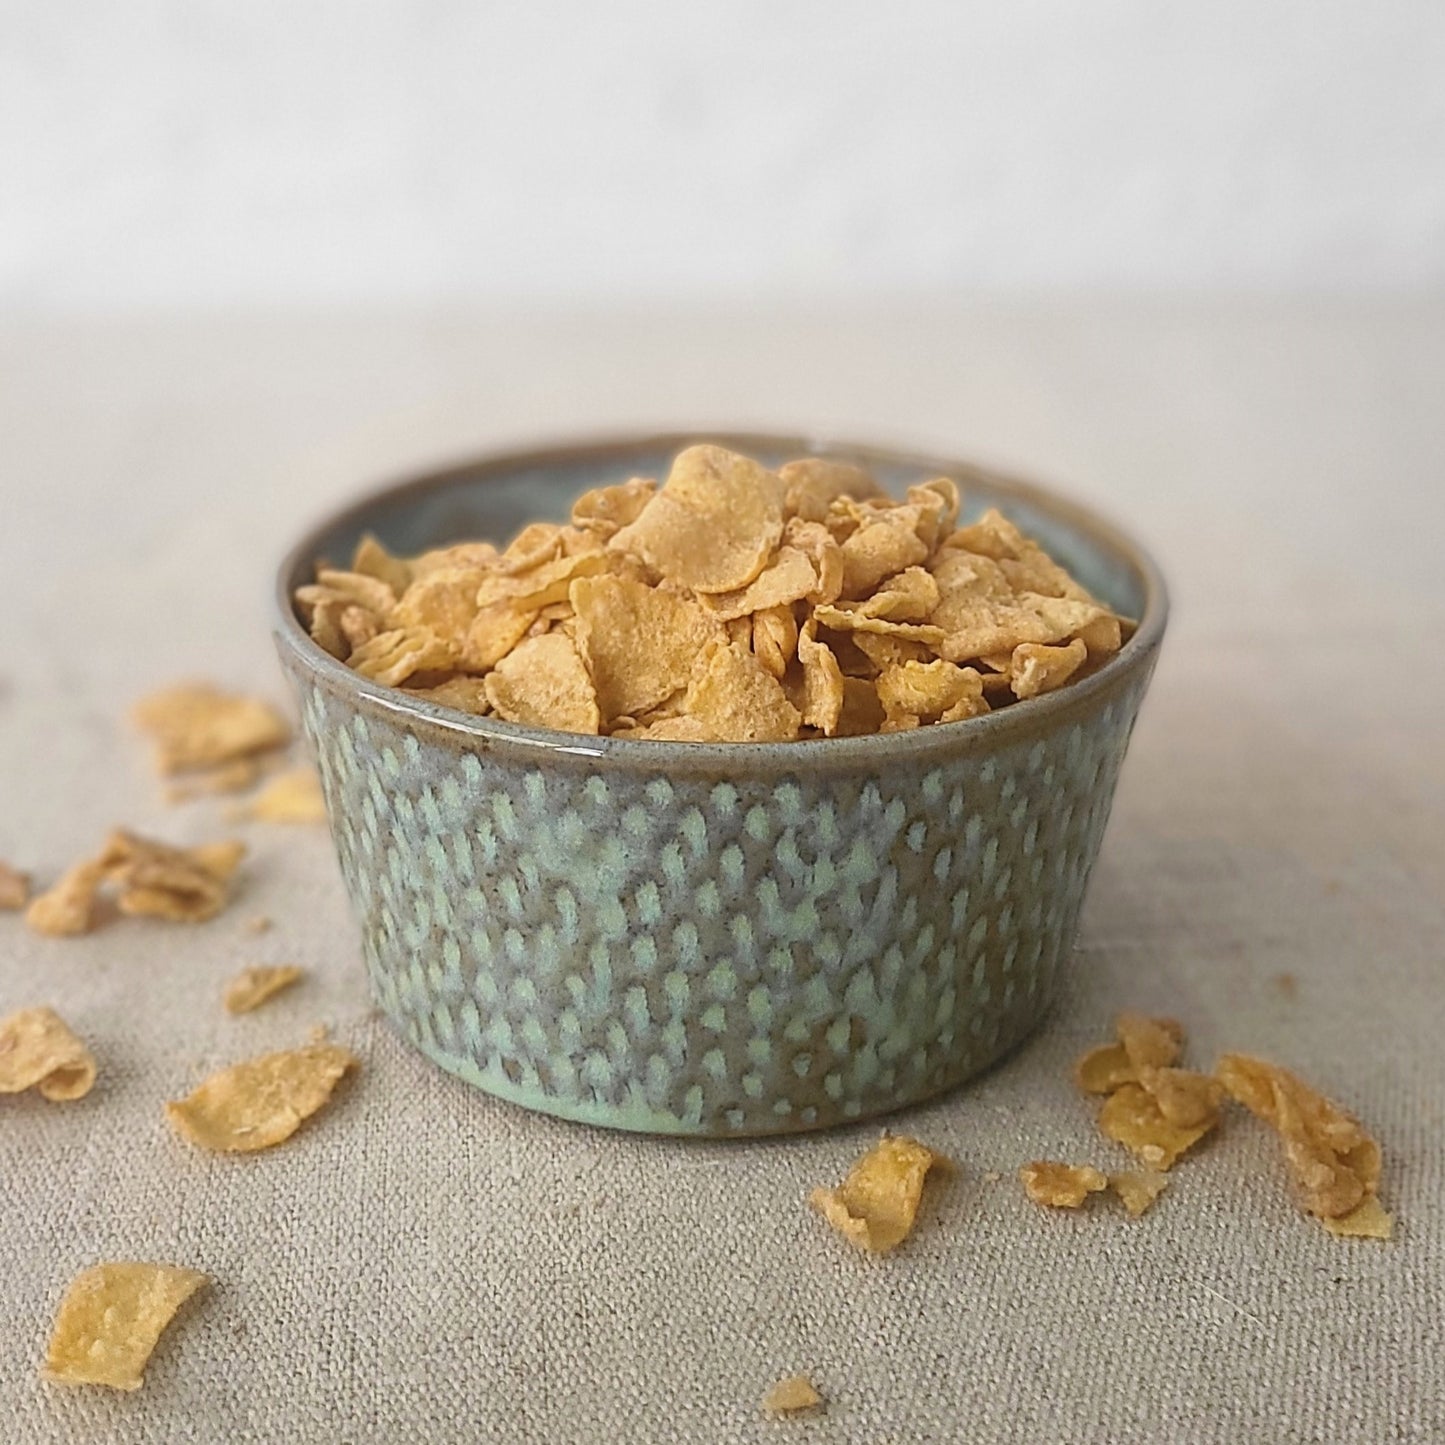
point(275, 151)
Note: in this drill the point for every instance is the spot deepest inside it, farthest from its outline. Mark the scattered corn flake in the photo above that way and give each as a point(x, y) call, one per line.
point(1334, 1163)
point(237, 776)
point(775, 639)
point(1104, 1069)
point(14, 888)
point(390, 658)
point(1184, 1097)
point(815, 483)
point(197, 726)
point(788, 578)
point(606, 510)
point(38, 1051)
point(68, 907)
point(737, 700)
point(465, 694)
point(638, 642)
point(1138, 1189)
point(823, 685)
point(261, 1102)
point(290, 797)
point(1367, 1220)
point(1061, 1186)
point(252, 987)
point(790, 1395)
point(876, 1205)
point(714, 524)
point(1131, 1117)
point(544, 682)
point(371, 559)
point(1149, 1043)
point(110, 1320)
point(182, 885)
point(1037, 668)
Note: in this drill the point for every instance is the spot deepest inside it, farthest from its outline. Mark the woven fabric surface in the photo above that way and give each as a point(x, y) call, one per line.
point(421, 1262)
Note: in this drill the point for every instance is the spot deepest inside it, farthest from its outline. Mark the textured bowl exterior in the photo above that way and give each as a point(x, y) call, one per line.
point(726, 940)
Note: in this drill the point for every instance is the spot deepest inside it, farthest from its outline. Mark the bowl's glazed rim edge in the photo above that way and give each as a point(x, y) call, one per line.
point(992, 728)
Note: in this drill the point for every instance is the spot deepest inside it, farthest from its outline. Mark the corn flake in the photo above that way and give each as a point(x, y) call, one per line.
point(878, 549)
point(38, 1051)
point(1131, 1117)
point(465, 694)
point(1369, 1219)
point(788, 578)
point(110, 1320)
point(252, 987)
point(1036, 669)
point(291, 797)
point(261, 1102)
point(1104, 1069)
point(876, 1205)
point(1149, 1043)
point(737, 700)
point(823, 686)
point(196, 726)
point(67, 908)
point(715, 523)
point(391, 658)
point(789, 1396)
point(182, 885)
point(606, 510)
point(815, 483)
point(916, 692)
point(775, 639)
point(543, 682)
point(14, 888)
point(1061, 1186)
point(371, 559)
point(1137, 1190)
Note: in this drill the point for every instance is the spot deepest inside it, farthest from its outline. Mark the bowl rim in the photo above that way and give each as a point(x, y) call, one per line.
point(985, 733)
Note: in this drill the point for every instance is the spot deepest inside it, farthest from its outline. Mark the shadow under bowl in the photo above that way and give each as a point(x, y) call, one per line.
point(716, 940)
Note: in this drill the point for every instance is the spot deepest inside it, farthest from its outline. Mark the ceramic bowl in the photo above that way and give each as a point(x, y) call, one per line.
point(732, 939)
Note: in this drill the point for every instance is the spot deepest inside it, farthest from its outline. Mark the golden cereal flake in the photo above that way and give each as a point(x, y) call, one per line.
point(463, 693)
point(910, 596)
point(68, 907)
point(197, 726)
point(1102, 637)
point(606, 510)
point(443, 601)
point(494, 632)
point(544, 585)
point(261, 1102)
point(1184, 1097)
point(1138, 1189)
point(813, 484)
point(1131, 1117)
point(1104, 1069)
point(878, 549)
point(14, 888)
point(823, 686)
point(110, 1320)
point(371, 559)
point(38, 1051)
point(713, 526)
point(1149, 1043)
point(821, 548)
point(1061, 1186)
point(390, 658)
point(290, 797)
point(182, 885)
point(847, 618)
point(914, 692)
point(536, 543)
point(737, 700)
point(1334, 1163)
point(252, 987)
point(457, 554)
point(789, 577)
point(791, 1395)
point(639, 642)
point(1037, 669)
point(1367, 1220)
point(981, 626)
point(876, 1205)
point(544, 682)
point(775, 639)
point(239, 776)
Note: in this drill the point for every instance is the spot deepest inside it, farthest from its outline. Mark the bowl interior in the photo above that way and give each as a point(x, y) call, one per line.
point(492, 499)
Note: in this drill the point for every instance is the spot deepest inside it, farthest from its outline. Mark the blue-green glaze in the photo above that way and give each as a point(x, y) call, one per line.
point(716, 940)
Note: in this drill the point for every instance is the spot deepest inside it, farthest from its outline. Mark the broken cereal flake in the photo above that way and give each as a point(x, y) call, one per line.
point(371, 559)
point(910, 596)
point(882, 546)
point(775, 639)
point(791, 1395)
point(110, 1320)
point(668, 730)
point(68, 907)
point(544, 682)
point(390, 658)
point(788, 578)
point(875, 1206)
point(714, 524)
point(1334, 1163)
point(918, 692)
point(821, 548)
point(1131, 1117)
point(1102, 637)
point(976, 627)
point(1104, 1069)
point(464, 694)
point(291, 797)
point(182, 885)
point(250, 988)
point(1037, 669)
point(937, 509)
point(237, 776)
point(737, 700)
point(1061, 1186)
point(1367, 1220)
point(849, 619)
point(261, 1102)
point(639, 642)
point(14, 888)
point(1138, 1189)
point(823, 685)
point(605, 510)
point(545, 585)
point(443, 602)
point(1184, 1097)
point(457, 554)
point(493, 633)
point(814, 483)
point(536, 543)
point(1149, 1043)
point(38, 1051)
point(197, 726)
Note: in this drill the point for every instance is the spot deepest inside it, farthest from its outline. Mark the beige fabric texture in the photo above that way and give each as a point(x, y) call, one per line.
point(422, 1263)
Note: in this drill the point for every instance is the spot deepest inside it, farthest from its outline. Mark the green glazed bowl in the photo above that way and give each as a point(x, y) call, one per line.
point(732, 939)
